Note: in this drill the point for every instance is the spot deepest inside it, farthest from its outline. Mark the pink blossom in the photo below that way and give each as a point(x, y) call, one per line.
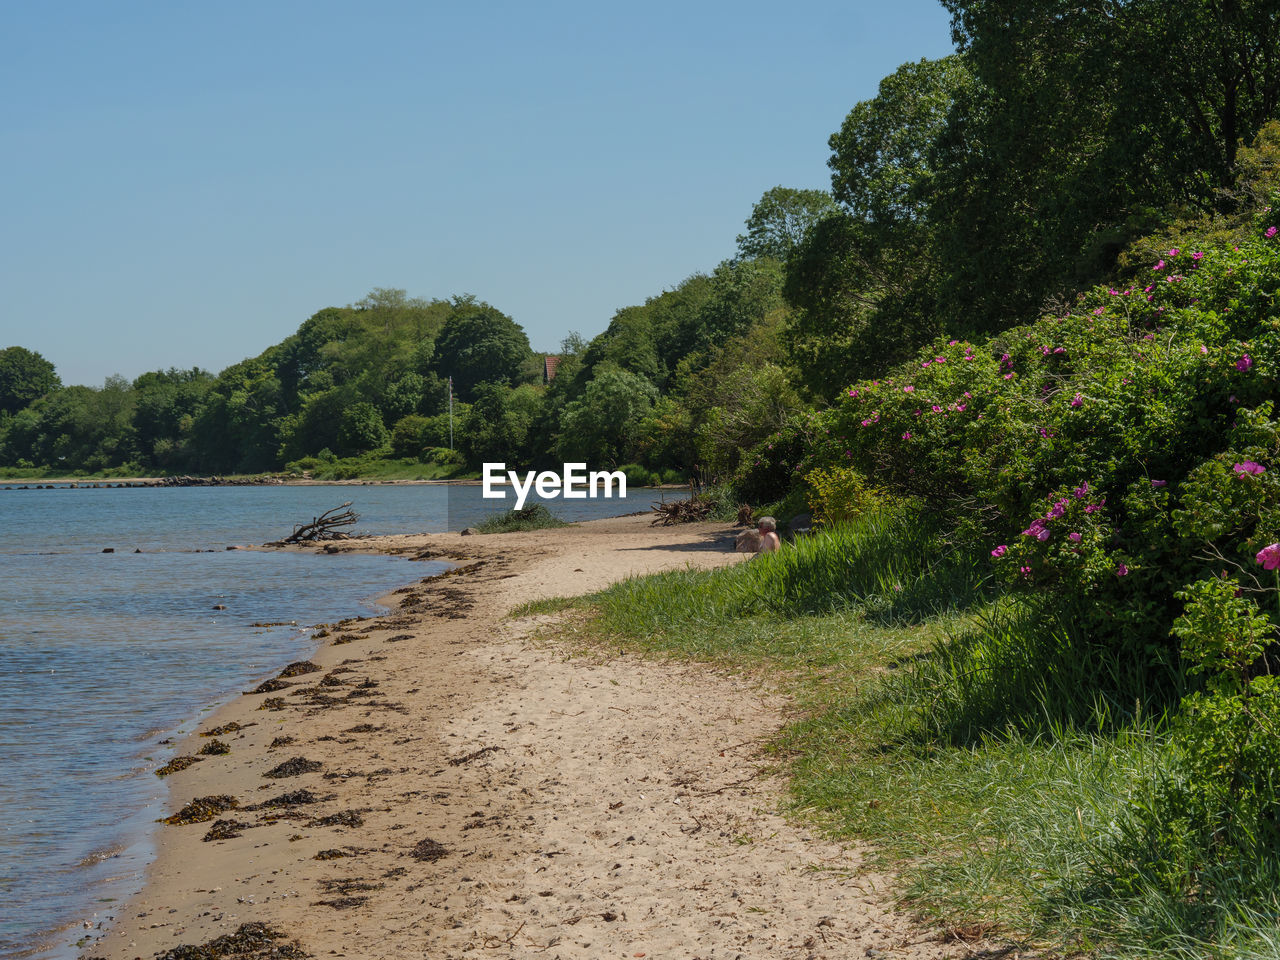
point(1173, 253)
point(907, 435)
point(1100, 311)
point(1159, 483)
point(952, 343)
point(1073, 537)
point(936, 408)
point(1059, 349)
point(939, 359)
point(1025, 571)
point(1269, 556)
point(1095, 507)
point(1148, 289)
point(1000, 551)
point(1007, 375)
point(1077, 401)
point(1122, 570)
point(960, 408)
point(1244, 363)
point(1159, 266)
point(1081, 491)
point(908, 388)
point(1271, 232)
point(1204, 351)
point(1034, 530)
point(1249, 468)
point(1197, 256)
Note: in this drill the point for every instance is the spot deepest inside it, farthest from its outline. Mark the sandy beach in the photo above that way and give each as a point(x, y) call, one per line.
point(449, 782)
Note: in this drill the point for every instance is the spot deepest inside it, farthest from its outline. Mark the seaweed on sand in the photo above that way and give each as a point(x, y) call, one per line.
point(203, 808)
point(293, 767)
point(251, 941)
point(176, 764)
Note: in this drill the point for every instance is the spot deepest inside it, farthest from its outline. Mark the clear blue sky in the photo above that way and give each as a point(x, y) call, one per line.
point(185, 183)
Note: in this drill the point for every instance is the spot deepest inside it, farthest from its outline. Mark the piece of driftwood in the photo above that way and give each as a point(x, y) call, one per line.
point(324, 526)
point(681, 511)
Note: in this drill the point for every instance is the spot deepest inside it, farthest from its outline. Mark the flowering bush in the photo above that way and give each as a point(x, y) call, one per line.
point(1111, 453)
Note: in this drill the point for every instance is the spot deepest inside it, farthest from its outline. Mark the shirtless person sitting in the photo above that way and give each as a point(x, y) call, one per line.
point(768, 535)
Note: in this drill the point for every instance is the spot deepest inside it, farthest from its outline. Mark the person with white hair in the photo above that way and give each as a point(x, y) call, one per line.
point(769, 541)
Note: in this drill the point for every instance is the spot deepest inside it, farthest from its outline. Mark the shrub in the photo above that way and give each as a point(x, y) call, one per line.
point(533, 517)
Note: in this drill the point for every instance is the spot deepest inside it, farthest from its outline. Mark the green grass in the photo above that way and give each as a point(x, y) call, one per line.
point(992, 754)
point(534, 517)
point(384, 468)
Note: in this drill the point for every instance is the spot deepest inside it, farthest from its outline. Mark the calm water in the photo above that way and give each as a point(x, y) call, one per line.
point(104, 655)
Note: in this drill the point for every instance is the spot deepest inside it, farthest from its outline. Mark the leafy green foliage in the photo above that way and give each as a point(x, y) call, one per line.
point(25, 376)
point(780, 220)
point(533, 517)
point(478, 344)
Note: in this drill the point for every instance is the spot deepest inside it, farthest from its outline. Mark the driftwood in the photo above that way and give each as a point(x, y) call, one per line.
point(681, 511)
point(322, 527)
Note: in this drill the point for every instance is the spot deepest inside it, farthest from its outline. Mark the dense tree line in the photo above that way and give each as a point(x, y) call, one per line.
point(967, 194)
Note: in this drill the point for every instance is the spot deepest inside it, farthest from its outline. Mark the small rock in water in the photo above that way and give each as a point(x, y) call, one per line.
point(219, 606)
point(108, 549)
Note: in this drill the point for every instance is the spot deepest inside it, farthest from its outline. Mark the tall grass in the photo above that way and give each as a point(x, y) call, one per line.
point(889, 566)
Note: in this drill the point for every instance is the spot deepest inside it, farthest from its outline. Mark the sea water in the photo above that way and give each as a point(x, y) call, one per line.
point(107, 658)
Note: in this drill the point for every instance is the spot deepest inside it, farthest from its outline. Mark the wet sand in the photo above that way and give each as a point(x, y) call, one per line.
point(450, 783)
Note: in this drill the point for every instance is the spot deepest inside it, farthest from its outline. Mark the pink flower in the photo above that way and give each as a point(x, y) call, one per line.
point(1271, 232)
point(1081, 491)
point(1100, 311)
point(1000, 551)
point(1204, 350)
point(1249, 468)
point(1159, 483)
point(907, 435)
point(1077, 401)
point(1007, 375)
point(1025, 571)
point(939, 359)
point(1244, 363)
point(1073, 537)
point(908, 389)
point(1269, 556)
point(1173, 253)
point(1159, 266)
point(1197, 256)
point(960, 408)
point(1095, 507)
point(1034, 530)
point(1122, 570)
point(952, 343)
point(936, 408)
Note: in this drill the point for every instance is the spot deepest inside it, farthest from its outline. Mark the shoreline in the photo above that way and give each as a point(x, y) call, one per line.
point(432, 788)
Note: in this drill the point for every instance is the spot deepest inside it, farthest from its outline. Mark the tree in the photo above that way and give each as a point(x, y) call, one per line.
point(1087, 125)
point(779, 221)
point(479, 344)
point(602, 427)
point(863, 279)
point(25, 376)
point(361, 429)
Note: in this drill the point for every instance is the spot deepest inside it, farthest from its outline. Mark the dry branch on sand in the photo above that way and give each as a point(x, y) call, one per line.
point(323, 526)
